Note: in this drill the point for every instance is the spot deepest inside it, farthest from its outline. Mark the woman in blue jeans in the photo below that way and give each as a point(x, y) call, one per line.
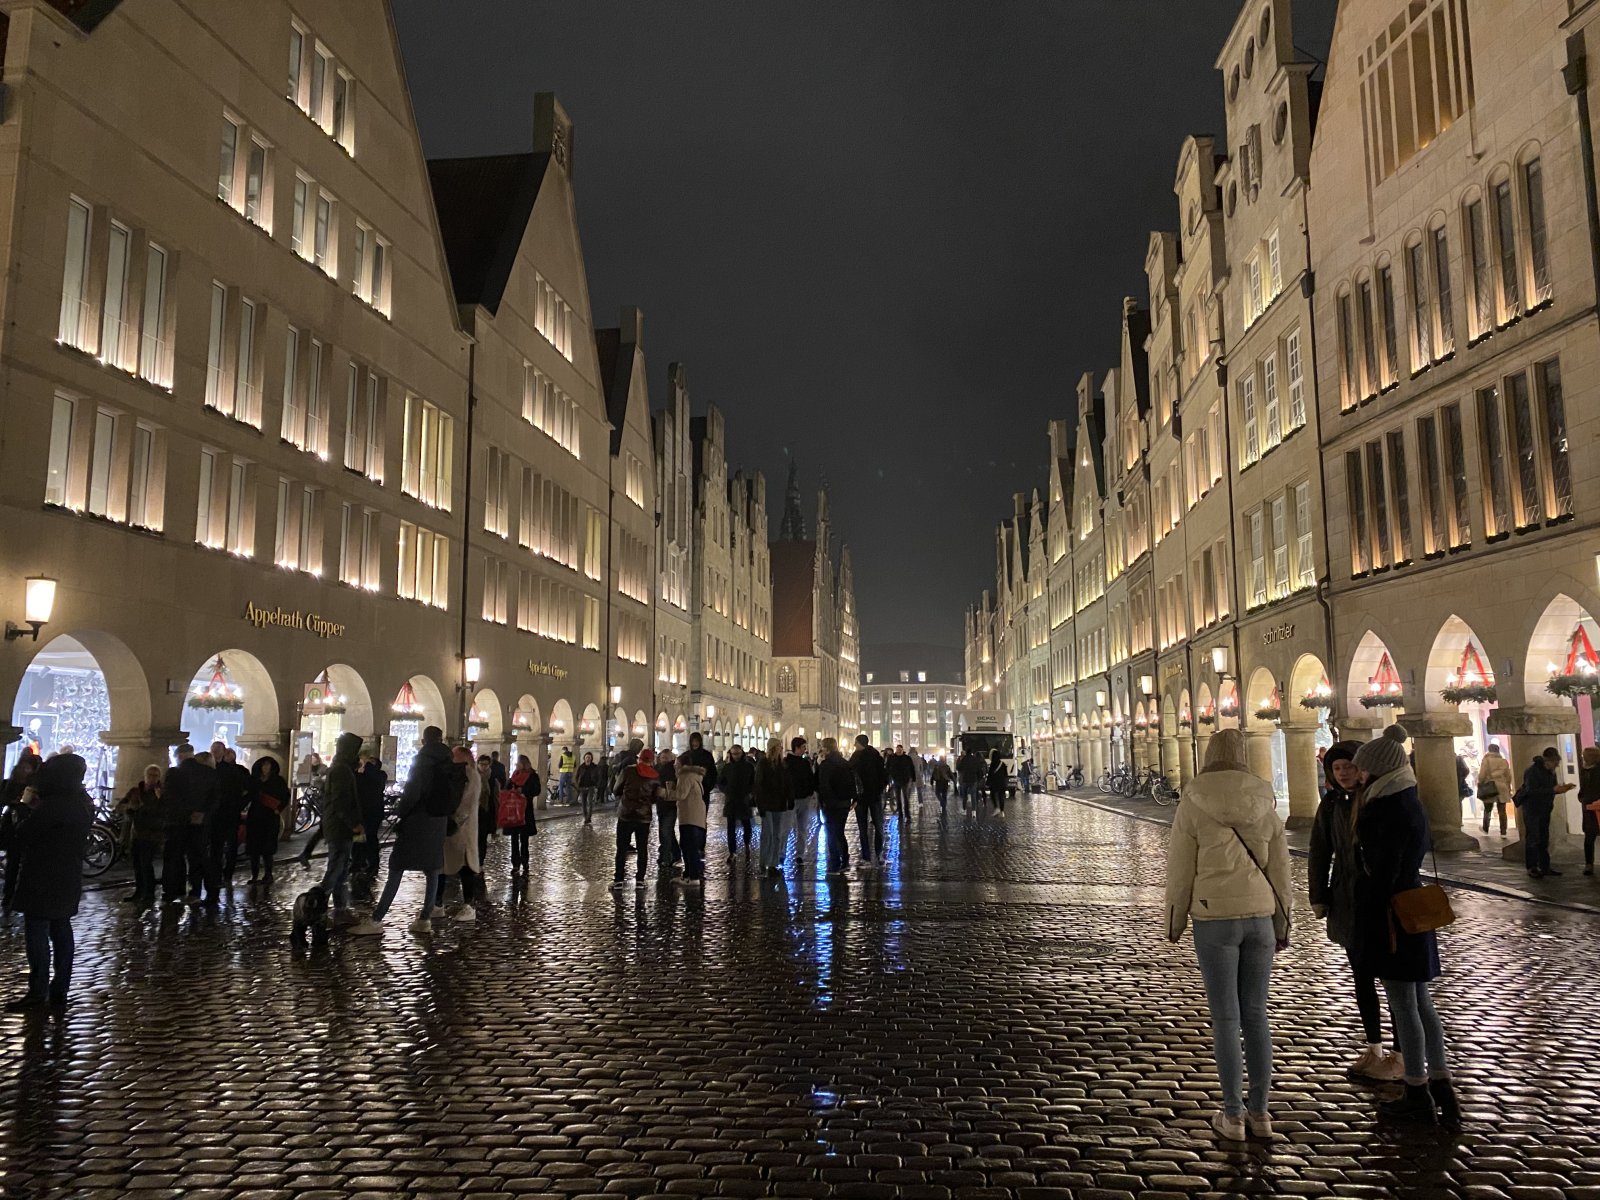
point(1392, 837)
point(1228, 871)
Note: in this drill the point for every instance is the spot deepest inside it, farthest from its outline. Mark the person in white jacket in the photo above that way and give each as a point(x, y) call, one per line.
point(1228, 870)
point(461, 841)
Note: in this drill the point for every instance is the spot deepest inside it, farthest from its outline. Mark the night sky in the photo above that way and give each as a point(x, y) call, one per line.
point(886, 238)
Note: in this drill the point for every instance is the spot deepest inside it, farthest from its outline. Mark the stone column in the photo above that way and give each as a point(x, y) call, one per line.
point(1529, 731)
point(1300, 754)
point(1169, 755)
point(137, 750)
point(1432, 739)
point(1258, 753)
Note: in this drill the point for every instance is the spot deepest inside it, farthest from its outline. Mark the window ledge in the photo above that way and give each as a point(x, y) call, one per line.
point(230, 418)
point(93, 359)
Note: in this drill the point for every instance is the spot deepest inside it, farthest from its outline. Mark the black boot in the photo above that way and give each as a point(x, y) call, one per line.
point(1415, 1105)
point(1444, 1097)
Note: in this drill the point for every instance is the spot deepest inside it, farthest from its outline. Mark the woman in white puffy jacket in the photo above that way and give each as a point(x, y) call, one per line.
point(1228, 871)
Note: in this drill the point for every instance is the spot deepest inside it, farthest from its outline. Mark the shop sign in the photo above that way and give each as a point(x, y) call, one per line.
point(292, 618)
point(1278, 633)
point(546, 668)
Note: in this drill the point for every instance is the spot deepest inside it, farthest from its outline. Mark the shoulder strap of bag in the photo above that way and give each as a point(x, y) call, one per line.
point(1277, 899)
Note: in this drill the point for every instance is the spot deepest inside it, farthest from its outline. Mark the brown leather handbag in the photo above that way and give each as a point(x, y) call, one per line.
point(1423, 909)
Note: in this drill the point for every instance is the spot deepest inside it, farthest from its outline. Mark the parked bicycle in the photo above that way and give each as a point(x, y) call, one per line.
point(103, 847)
point(1153, 785)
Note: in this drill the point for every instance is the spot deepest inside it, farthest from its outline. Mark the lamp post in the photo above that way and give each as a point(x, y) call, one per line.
point(471, 672)
point(38, 603)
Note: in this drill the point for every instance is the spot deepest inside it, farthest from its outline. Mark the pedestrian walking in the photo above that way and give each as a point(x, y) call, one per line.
point(738, 778)
point(433, 791)
point(1228, 871)
point(147, 829)
point(969, 776)
point(836, 793)
point(521, 822)
point(1334, 867)
point(775, 801)
point(871, 779)
point(1589, 798)
point(17, 800)
point(50, 879)
point(942, 777)
point(803, 783)
point(462, 858)
point(637, 790)
point(589, 781)
point(341, 822)
point(372, 781)
point(262, 823)
point(901, 771)
point(1536, 801)
point(1495, 785)
point(1393, 836)
point(189, 795)
point(689, 796)
point(998, 782)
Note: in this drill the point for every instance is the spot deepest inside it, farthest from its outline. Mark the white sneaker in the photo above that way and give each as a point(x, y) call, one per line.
point(367, 927)
point(1229, 1129)
point(464, 913)
point(1260, 1126)
point(422, 925)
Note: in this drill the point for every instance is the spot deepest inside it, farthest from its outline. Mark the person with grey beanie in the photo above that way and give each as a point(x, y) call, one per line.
point(1392, 837)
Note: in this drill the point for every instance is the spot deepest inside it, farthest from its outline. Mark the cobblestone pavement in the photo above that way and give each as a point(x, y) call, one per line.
point(1485, 869)
point(996, 1014)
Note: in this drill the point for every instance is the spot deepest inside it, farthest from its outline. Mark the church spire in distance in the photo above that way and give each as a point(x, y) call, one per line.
point(793, 526)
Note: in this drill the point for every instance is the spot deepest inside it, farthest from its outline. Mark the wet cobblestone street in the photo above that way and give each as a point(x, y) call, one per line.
point(997, 1013)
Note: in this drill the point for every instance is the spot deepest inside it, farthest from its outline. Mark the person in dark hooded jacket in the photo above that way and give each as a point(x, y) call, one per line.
point(341, 820)
point(738, 777)
point(419, 836)
point(1334, 868)
point(50, 878)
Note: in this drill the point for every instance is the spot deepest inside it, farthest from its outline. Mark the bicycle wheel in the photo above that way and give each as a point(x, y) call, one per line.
point(306, 814)
point(99, 851)
point(1163, 793)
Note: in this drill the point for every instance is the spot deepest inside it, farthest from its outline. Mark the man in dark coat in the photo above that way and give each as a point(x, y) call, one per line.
point(371, 780)
point(871, 779)
point(738, 782)
point(190, 796)
point(698, 756)
point(341, 820)
point(836, 794)
point(50, 877)
point(419, 836)
point(803, 779)
point(233, 793)
point(1536, 800)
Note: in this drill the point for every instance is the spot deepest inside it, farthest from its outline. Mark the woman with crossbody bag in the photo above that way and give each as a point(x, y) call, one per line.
point(1392, 838)
point(1495, 785)
point(1228, 871)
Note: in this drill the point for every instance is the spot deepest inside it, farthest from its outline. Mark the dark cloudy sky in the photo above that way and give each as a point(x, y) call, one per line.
point(886, 236)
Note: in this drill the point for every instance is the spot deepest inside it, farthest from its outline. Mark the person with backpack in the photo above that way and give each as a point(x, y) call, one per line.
point(738, 777)
point(433, 791)
point(803, 783)
point(942, 776)
point(836, 794)
point(1228, 872)
point(637, 788)
point(517, 812)
point(589, 779)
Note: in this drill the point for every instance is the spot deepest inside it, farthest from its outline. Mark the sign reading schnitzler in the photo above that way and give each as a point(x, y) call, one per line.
point(292, 618)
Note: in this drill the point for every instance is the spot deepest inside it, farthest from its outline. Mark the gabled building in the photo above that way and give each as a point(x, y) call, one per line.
point(675, 618)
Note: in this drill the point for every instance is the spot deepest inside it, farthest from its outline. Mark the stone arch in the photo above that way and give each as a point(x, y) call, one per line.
point(663, 730)
point(1549, 645)
point(100, 668)
point(525, 720)
point(1309, 677)
point(430, 701)
point(348, 684)
point(257, 723)
point(1364, 662)
point(641, 725)
point(562, 724)
point(1257, 694)
point(487, 708)
point(1444, 658)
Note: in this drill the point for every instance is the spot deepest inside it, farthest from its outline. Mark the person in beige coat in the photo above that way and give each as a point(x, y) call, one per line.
point(1228, 871)
point(1495, 785)
point(461, 841)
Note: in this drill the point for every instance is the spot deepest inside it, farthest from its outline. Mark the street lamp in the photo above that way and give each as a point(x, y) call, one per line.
point(472, 668)
point(1219, 661)
point(616, 695)
point(1147, 685)
point(38, 602)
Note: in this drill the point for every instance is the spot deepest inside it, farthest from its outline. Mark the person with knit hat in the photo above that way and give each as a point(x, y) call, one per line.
point(1333, 868)
point(637, 792)
point(1228, 870)
point(1392, 837)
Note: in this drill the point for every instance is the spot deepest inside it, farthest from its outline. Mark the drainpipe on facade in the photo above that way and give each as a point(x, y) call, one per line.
point(466, 536)
point(1575, 73)
point(1308, 289)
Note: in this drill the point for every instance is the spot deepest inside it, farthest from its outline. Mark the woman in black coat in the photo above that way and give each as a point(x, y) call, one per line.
point(50, 879)
point(1392, 838)
point(263, 822)
point(999, 782)
point(1334, 868)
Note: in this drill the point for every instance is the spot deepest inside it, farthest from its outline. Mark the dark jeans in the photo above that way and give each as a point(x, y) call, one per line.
point(692, 839)
point(942, 792)
point(834, 819)
point(635, 833)
point(43, 936)
point(186, 863)
point(391, 886)
point(519, 847)
point(738, 818)
point(367, 851)
point(586, 798)
point(1489, 807)
point(667, 818)
point(486, 822)
point(144, 870)
point(1535, 818)
point(1367, 1003)
point(336, 876)
point(869, 823)
point(224, 848)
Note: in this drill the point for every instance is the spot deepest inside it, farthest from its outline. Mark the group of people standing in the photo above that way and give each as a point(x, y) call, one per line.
point(1228, 873)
